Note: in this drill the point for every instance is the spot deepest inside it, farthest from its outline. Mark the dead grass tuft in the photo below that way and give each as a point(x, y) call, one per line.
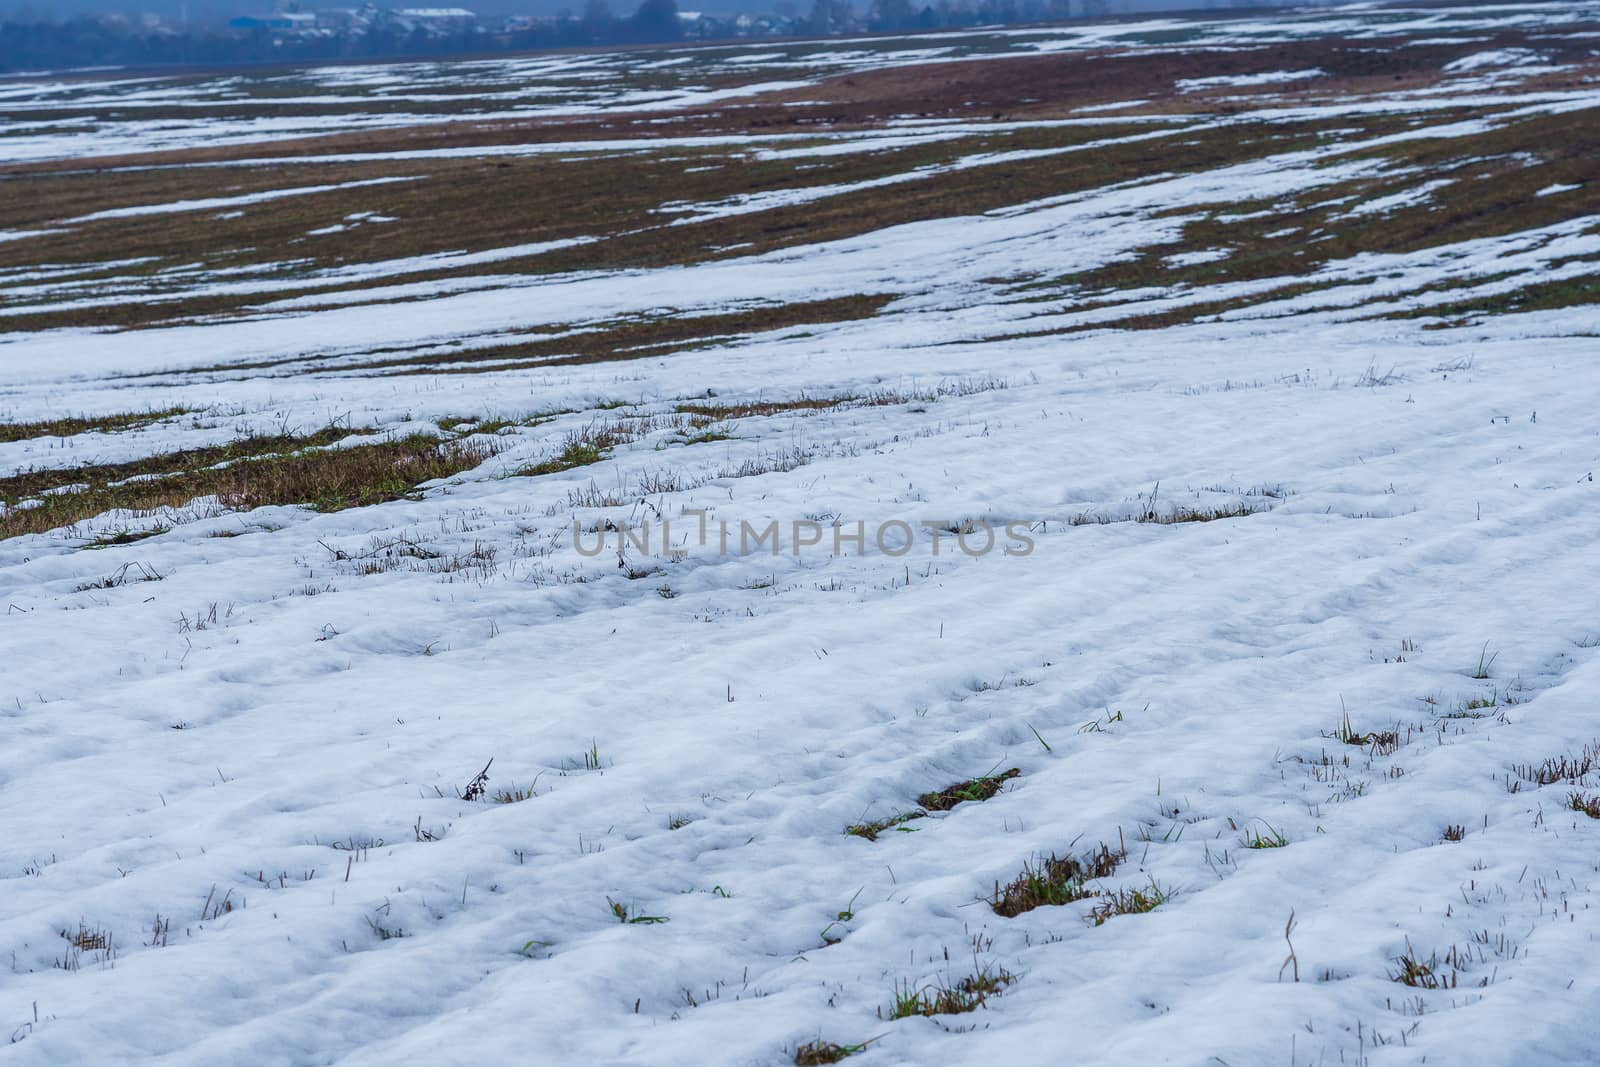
point(1432, 973)
point(815, 1053)
point(1055, 880)
point(871, 830)
point(70, 426)
point(1383, 742)
point(975, 789)
point(1176, 515)
point(96, 942)
point(253, 472)
point(581, 448)
point(1587, 803)
point(762, 408)
point(1573, 768)
point(944, 998)
point(1129, 902)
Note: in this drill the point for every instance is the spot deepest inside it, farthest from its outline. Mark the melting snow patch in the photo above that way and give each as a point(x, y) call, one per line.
point(1108, 107)
point(1195, 85)
point(177, 206)
point(1500, 57)
point(20, 235)
point(1552, 190)
point(1394, 201)
point(1189, 259)
point(350, 222)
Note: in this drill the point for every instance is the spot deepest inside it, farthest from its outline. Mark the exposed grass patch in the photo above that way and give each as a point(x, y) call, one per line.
point(34, 483)
point(382, 555)
point(1055, 880)
point(1185, 312)
point(1485, 663)
point(731, 410)
point(72, 425)
point(1431, 973)
point(628, 915)
point(1129, 902)
point(1581, 291)
point(539, 202)
point(945, 998)
point(1185, 513)
point(96, 942)
point(581, 448)
point(871, 830)
point(1382, 741)
point(974, 789)
point(640, 337)
point(128, 573)
point(126, 536)
point(1573, 768)
point(1585, 803)
point(815, 1053)
point(595, 443)
point(761, 408)
point(1494, 175)
point(254, 472)
point(1255, 837)
point(1481, 702)
point(463, 425)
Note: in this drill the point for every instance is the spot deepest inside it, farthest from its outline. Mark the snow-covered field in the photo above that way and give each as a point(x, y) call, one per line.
point(1219, 459)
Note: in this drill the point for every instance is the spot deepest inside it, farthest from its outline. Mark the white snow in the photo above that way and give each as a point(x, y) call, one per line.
point(236, 747)
point(1230, 81)
point(1385, 204)
point(1188, 259)
point(211, 203)
point(1499, 57)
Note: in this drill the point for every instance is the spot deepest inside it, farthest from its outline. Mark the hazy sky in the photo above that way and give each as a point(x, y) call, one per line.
point(226, 8)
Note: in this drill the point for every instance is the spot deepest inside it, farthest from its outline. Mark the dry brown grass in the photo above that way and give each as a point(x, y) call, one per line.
point(539, 201)
point(97, 942)
point(33, 483)
point(818, 1052)
point(639, 338)
point(260, 472)
point(1495, 175)
point(1431, 973)
point(1574, 768)
point(974, 789)
point(949, 998)
point(1055, 880)
point(1128, 902)
point(762, 408)
point(69, 426)
point(871, 830)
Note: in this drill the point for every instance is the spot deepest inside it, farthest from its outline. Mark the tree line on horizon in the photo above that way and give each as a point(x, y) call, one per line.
point(101, 41)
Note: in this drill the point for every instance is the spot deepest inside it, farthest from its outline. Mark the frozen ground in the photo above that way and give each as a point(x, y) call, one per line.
point(1284, 404)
